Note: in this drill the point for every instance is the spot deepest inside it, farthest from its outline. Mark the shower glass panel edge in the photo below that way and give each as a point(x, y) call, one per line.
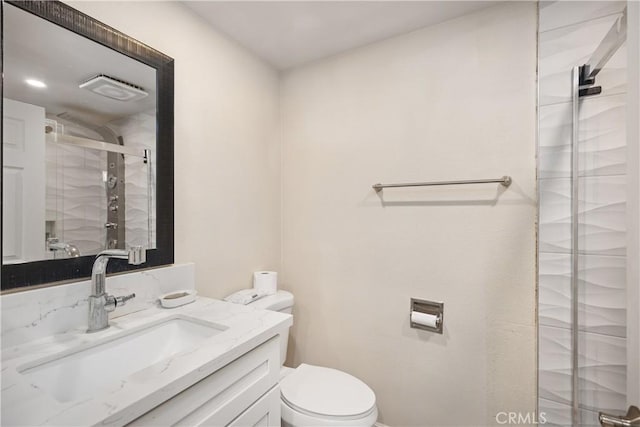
point(575, 107)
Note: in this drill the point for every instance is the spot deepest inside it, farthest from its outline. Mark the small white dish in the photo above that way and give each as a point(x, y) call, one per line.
point(177, 298)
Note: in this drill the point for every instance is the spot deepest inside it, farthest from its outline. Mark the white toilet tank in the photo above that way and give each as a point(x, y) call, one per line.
point(281, 301)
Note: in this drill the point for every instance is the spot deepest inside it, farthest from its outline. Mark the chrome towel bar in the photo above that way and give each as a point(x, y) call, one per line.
point(505, 181)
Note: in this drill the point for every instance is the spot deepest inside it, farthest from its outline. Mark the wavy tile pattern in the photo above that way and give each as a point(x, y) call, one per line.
point(563, 48)
point(554, 141)
point(589, 418)
point(602, 300)
point(569, 33)
point(602, 369)
point(602, 215)
point(139, 131)
point(602, 365)
point(554, 290)
point(76, 198)
point(555, 414)
point(559, 415)
point(602, 138)
point(554, 364)
point(554, 14)
point(555, 215)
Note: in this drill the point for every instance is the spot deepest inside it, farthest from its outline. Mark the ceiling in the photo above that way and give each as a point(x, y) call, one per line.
point(290, 33)
point(37, 49)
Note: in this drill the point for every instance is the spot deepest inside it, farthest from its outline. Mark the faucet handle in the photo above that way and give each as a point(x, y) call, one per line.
point(137, 255)
point(122, 300)
point(112, 302)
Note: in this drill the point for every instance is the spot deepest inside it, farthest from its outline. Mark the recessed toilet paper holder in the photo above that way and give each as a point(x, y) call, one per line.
point(432, 308)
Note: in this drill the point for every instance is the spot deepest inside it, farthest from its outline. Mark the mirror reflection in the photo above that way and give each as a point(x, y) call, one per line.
point(79, 139)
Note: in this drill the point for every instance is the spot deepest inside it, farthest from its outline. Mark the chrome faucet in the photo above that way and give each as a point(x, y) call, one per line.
point(56, 246)
point(101, 303)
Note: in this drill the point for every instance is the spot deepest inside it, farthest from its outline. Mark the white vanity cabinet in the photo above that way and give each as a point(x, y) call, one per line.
point(243, 393)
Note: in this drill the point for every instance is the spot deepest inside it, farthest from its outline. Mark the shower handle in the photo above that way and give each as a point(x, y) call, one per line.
point(631, 419)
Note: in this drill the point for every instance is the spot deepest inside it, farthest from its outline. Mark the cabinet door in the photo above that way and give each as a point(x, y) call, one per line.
point(219, 398)
point(264, 413)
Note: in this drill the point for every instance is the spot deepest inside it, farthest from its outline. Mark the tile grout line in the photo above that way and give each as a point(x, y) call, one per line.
point(600, 334)
point(568, 103)
point(583, 254)
point(580, 22)
point(614, 175)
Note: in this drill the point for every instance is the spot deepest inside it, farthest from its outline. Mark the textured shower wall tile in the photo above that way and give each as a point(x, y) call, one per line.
point(554, 14)
point(90, 211)
point(564, 48)
point(51, 158)
point(82, 198)
point(602, 215)
point(70, 156)
point(75, 190)
point(602, 293)
point(137, 210)
point(95, 161)
point(554, 141)
point(86, 234)
point(554, 293)
point(139, 131)
point(601, 136)
point(554, 413)
point(589, 418)
point(554, 364)
point(79, 195)
point(602, 362)
point(555, 215)
point(84, 213)
point(601, 373)
point(569, 33)
point(82, 225)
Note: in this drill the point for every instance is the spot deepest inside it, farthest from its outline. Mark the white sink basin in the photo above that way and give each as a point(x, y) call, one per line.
point(105, 364)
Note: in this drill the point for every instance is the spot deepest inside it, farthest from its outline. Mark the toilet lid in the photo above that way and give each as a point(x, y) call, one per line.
point(326, 392)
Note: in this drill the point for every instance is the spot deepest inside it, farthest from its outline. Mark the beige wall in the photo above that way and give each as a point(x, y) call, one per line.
point(452, 101)
point(448, 102)
point(227, 147)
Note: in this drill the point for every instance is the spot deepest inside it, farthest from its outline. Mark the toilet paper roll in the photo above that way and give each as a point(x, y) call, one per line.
point(424, 319)
point(266, 281)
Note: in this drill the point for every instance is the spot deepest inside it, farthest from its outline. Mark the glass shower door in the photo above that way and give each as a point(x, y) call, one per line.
point(588, 256)
point(600, 223)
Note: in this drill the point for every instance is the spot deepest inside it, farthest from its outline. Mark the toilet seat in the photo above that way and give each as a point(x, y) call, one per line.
point(324, 396)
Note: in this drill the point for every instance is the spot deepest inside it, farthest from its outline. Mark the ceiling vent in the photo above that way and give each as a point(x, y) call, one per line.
point(114, 88)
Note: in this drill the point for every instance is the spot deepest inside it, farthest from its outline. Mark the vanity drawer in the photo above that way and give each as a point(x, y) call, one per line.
point(219, 398)
point(264, 413)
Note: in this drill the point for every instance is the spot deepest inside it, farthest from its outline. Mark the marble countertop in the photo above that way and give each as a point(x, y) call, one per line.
point(23, 403)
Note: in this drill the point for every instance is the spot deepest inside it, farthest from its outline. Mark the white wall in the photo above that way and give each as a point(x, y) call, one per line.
point(227, 149)
point(452, 101)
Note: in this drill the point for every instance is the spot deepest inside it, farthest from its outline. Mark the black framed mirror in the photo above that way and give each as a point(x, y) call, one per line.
point(119, 92)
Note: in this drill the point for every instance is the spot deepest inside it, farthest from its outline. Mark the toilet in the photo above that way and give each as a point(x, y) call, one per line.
point(314, 395)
